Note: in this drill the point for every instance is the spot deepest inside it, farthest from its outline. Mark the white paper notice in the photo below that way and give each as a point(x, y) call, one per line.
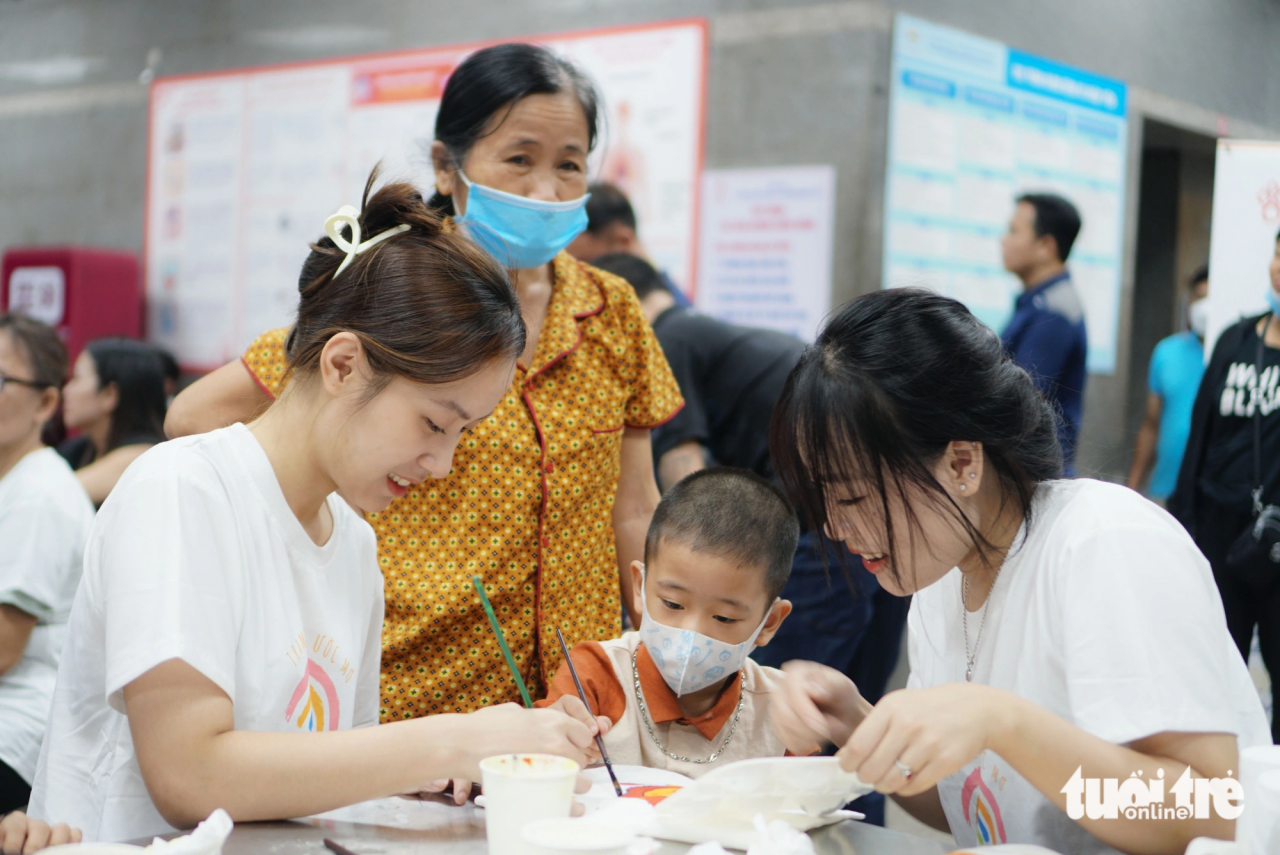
point(764, 252)
point(973, 124)
point(1246, 219)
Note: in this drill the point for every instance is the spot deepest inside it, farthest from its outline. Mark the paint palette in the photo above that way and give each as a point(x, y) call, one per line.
point(804, 792)
point(638, 782)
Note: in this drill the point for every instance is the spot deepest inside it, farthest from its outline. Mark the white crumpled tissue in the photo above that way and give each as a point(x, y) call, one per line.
point(778, 838)
point(206, 839)
point(772, 838)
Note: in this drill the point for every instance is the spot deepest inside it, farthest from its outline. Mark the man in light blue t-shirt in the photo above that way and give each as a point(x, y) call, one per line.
point(1174, 378)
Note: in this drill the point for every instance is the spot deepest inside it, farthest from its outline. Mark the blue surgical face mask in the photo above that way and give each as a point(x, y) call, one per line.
point(520, 233)
point(688, 660)
point(1273, 300)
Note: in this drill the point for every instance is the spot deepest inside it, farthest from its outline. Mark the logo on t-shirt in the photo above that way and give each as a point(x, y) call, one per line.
point(981, 810)
point(314, 701)
point(1244, 390)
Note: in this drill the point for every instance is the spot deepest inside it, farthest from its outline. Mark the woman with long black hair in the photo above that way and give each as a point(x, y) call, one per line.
point(116, 399)
point(1060, 630)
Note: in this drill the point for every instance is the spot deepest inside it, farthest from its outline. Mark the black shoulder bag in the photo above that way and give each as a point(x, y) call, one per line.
point(1254, 557)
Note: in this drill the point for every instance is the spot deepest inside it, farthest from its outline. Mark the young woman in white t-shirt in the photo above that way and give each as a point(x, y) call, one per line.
point(224, 646)
point(1056, 625)
point(45, 517)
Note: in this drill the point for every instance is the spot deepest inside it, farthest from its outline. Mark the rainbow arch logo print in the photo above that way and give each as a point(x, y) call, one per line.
point(981, 810)
point(314, 704)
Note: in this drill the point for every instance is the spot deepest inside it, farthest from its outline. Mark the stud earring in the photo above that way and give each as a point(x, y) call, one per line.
point(964, 486)
point(973, 474)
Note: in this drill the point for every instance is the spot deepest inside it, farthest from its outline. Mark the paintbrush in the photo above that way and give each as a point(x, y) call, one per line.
point(502, 641)
point(617, 788)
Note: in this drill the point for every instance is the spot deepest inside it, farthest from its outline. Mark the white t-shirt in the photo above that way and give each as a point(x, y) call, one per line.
point(197, 556)
point(45, 517)
point(1108, 616)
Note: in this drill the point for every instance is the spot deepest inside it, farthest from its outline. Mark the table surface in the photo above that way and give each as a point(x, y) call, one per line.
point(399, 826)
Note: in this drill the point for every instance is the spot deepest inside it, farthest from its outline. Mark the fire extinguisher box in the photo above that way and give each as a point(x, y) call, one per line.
point(83, 292)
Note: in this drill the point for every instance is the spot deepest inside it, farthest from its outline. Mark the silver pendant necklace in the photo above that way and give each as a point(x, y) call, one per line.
point(644, 716)
point(964, 617)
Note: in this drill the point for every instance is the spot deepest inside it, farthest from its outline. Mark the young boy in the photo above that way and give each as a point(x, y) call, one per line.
point(681, 692)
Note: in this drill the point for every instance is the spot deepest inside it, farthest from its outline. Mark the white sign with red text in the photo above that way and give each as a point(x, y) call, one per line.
point(1246, 220)
point(764, 252)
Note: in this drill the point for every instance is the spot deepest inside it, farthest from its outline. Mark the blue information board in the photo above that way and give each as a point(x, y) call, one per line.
point(972, 124)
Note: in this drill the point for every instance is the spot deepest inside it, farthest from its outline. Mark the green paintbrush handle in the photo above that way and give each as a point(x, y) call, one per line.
point(502, 641)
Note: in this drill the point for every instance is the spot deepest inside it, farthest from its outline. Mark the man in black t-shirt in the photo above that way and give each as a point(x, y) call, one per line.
point(1239, 399)
point(731, 377)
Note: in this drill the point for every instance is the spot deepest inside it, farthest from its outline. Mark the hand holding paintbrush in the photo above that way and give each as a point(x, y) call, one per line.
point(604, 755)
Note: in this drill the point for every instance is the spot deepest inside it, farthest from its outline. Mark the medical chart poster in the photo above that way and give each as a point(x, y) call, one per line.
point(973, 124)
point(1242, 238)
point(245, 165)
point(764, 257)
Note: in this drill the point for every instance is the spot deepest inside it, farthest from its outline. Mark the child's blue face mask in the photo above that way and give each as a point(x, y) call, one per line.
point(520, 233)
point(688, 660)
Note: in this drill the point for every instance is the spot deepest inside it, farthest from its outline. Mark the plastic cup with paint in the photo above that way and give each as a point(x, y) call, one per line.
point(522, 788)
point(564, 836)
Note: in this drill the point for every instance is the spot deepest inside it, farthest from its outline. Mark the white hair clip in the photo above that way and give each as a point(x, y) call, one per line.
point(348, 216)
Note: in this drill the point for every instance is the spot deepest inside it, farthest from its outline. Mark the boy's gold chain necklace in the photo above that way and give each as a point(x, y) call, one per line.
point(644, 716)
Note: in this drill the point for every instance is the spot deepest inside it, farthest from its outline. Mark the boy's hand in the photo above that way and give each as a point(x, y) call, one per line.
point(22, 835)
point(573, 707)
point(817, 705)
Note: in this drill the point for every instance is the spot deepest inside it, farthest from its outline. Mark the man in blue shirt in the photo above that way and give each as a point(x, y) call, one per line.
point(1046, 334)
point(1173, 380)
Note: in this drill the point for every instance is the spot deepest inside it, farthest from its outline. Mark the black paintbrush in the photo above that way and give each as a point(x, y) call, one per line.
point(337, 847)
point(617, 788)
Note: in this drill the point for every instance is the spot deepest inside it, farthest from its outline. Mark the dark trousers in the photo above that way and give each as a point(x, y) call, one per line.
point(14, 791)
point(1246, 606)
point(848, 623)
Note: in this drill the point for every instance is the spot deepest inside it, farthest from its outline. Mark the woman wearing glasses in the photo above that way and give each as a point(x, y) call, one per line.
point(44, 520)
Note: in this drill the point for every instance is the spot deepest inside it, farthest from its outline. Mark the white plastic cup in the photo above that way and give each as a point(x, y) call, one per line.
point(1267, 828)
point(522, 788)
point(1254, 822)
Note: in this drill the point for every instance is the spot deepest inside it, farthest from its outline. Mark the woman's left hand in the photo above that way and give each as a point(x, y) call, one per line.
point(914, 738)
point(22, 835)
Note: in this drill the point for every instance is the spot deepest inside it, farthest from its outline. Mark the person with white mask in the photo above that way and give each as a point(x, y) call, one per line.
point(1177, 364)
point(682, 693)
